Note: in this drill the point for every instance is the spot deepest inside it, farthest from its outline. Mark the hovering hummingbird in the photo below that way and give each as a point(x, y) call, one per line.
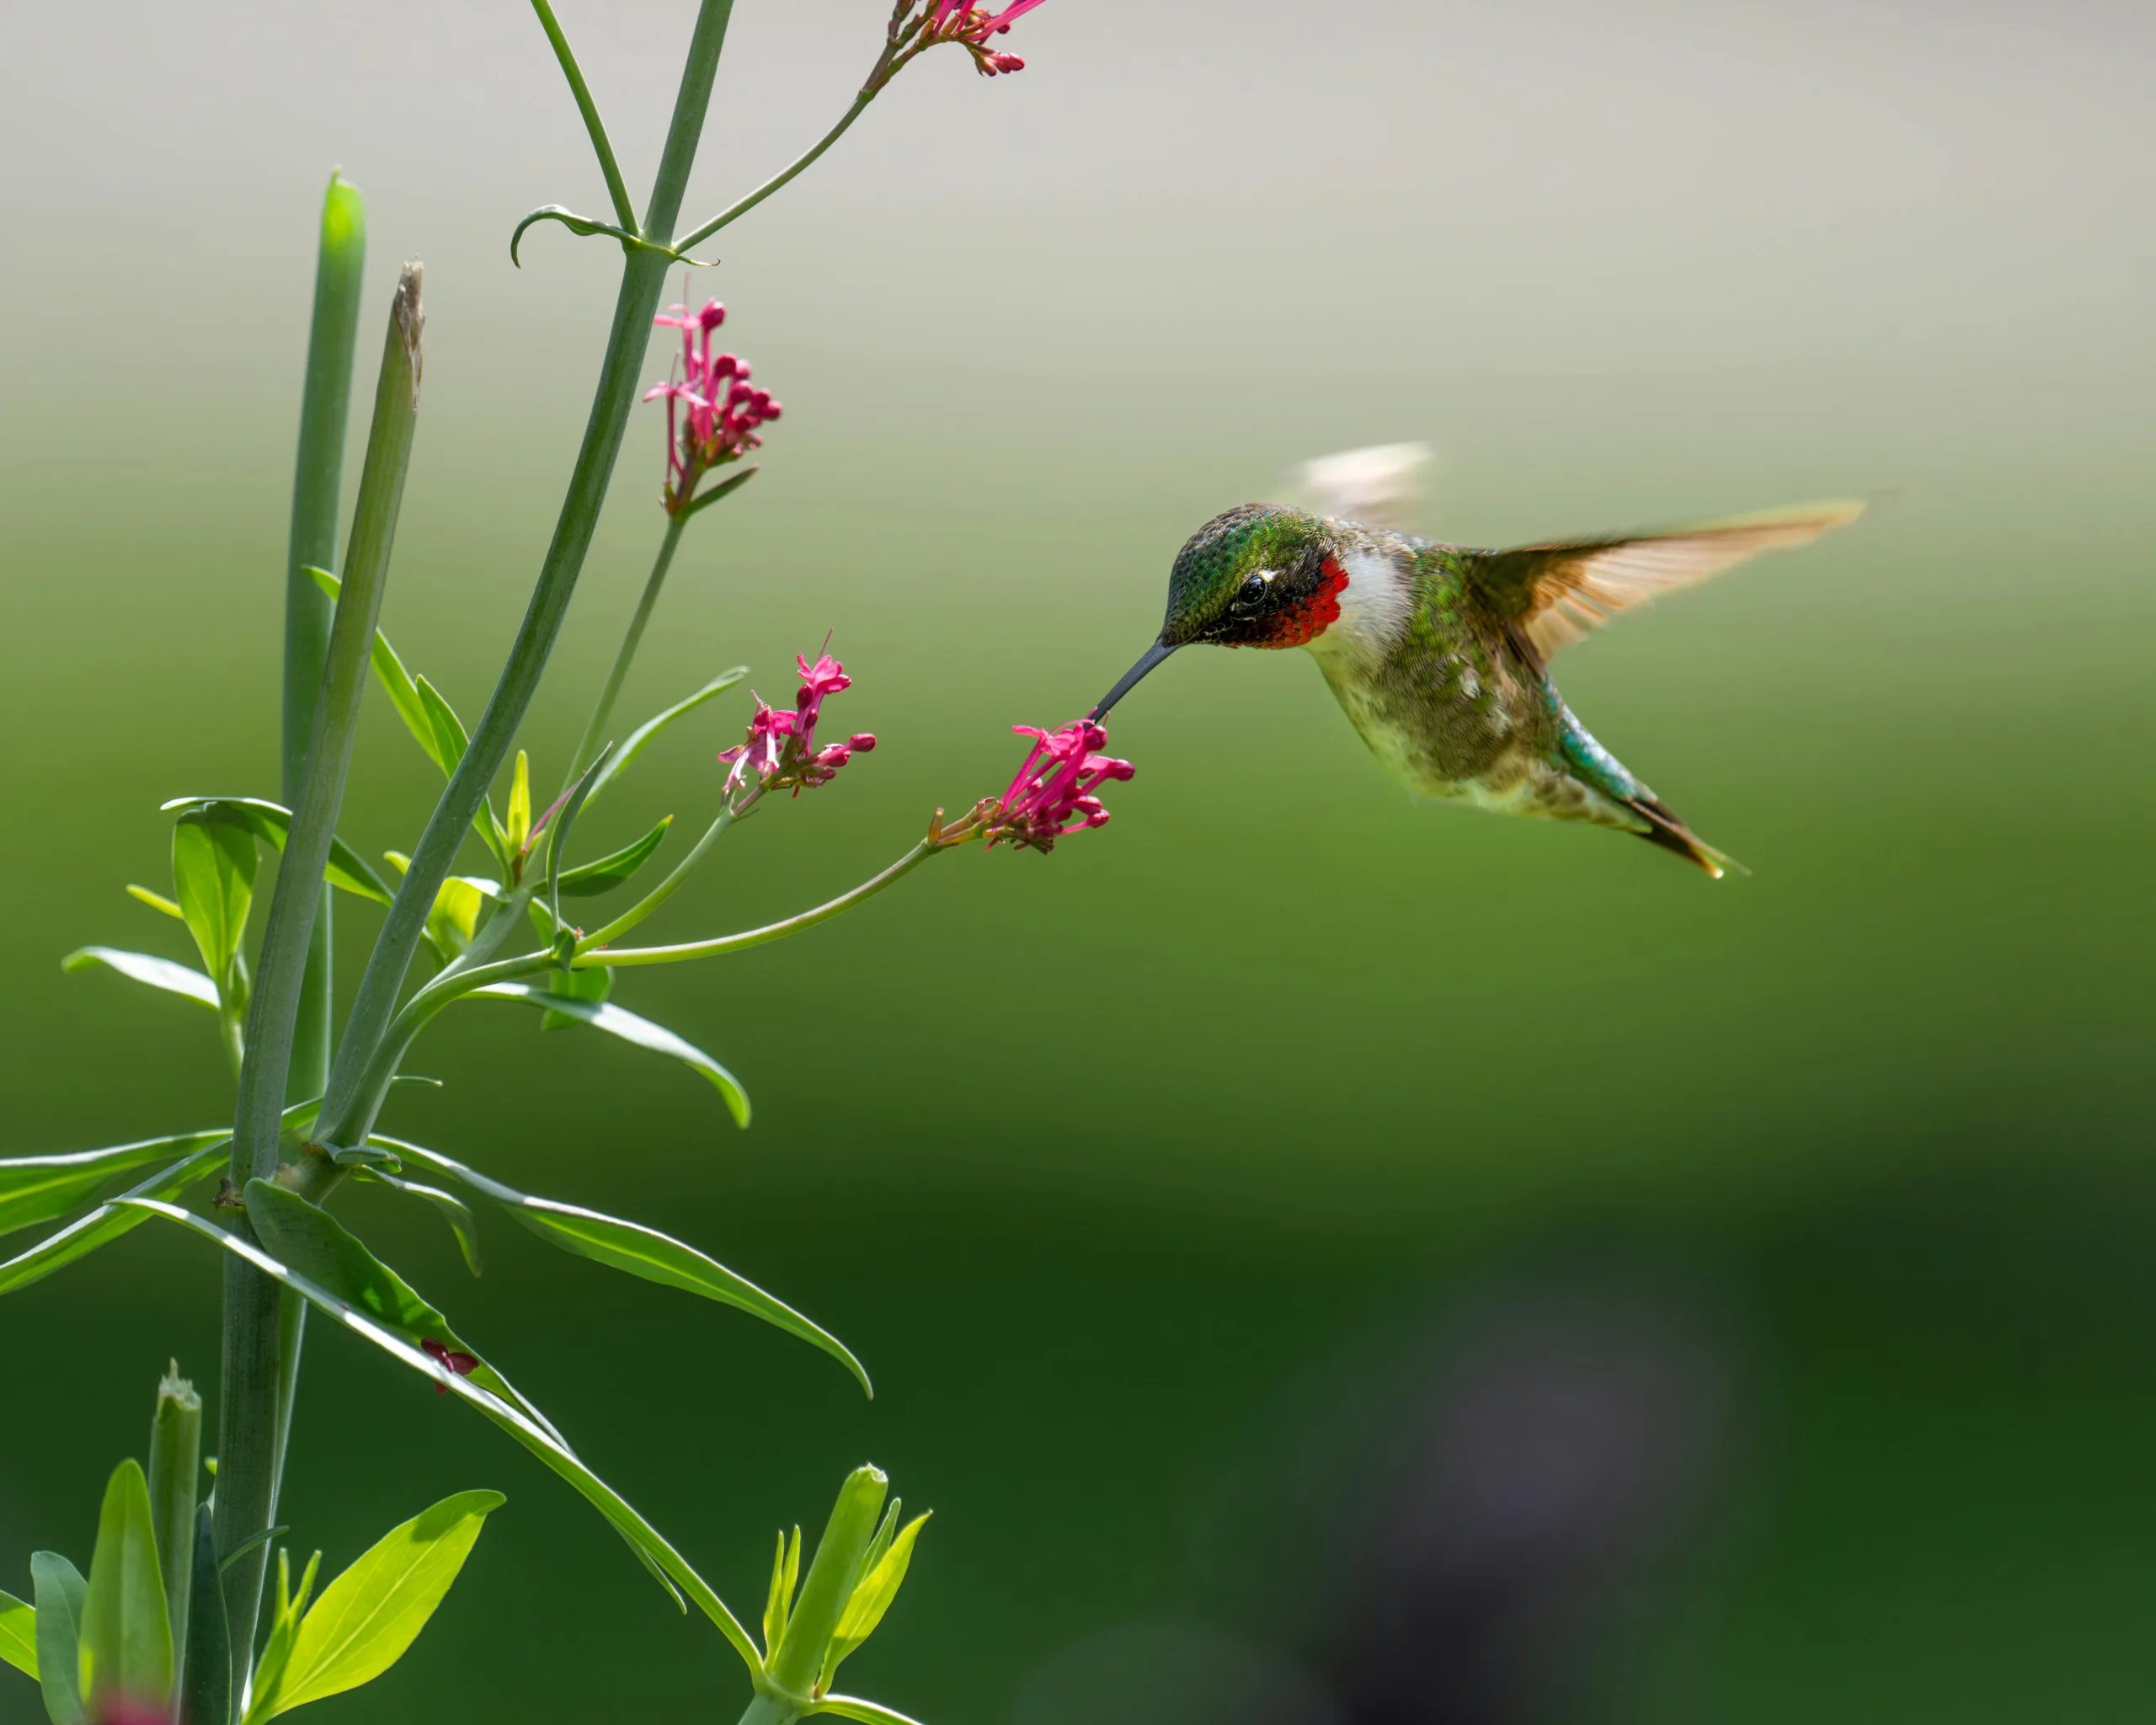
point(1439, 653)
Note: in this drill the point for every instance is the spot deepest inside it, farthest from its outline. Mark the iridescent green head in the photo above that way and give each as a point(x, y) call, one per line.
point(1261, 575)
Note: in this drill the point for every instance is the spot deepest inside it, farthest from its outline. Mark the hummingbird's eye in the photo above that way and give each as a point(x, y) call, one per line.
point(1254, 585)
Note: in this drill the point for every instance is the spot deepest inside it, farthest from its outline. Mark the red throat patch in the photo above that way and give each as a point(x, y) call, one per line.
point(1316, 614)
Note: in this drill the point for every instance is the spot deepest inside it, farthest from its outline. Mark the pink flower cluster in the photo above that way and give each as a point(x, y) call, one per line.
point(780, 751)
point(712, 410)
point(959, 21)
point(1055, 792)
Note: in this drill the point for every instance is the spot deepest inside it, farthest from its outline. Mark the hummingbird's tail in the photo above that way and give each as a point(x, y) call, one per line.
point(1664, 828)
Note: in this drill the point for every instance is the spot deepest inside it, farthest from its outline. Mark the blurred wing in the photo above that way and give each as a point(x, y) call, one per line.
point(1379, 487)
point(1552, 595)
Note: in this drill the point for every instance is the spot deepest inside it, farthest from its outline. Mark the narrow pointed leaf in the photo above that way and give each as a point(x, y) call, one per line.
point(454, 1211)
point(641, 737)
point(317, 1245)
point(207, 1678)
point(18, 1635)
point(284, 1632)
point(879, 1584)
point(145, 967)
point(37, 1189)
point(832, 1574)
point(574, 985)
point(346, 869)
point(369, 1616)
point(213, 864)
point(127, 1625)
point(641, 1537)
point(61, 1594)
point(518, 822)
point(396, 681)
point(589, 879)
point(109, 1221)
point(455, 917)
point(617, 1022)
point(451, 737)
point(158, 902)
point(775, 1599)
point(851, 1706)
point(639, 1251)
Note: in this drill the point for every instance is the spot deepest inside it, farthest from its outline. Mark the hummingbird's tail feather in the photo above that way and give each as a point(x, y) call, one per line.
point(1664, 828)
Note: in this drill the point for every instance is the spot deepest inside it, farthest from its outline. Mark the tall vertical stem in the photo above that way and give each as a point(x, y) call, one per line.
point(248, 1407)
point(643, 275)
point(318, 478)
point(318, 481)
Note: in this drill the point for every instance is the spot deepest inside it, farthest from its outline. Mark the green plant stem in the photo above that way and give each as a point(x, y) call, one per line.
point(318, 480)
point(666, 888)
point(643, 275)
point(318, 477)
point(588, 746)
point(591, 960)
point(734, 211)
point(250, 1368)
point(319, 1176)
point(769, 1710)
point(624, 211)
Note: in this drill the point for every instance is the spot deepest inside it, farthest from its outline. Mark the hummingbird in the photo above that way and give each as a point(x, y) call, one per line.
point(1439, 653)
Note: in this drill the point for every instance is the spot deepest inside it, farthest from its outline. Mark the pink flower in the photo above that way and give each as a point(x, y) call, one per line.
point(959, 21)
point(1054, 793)
point(463, 1364)
point(712, 410)
point(780, 751)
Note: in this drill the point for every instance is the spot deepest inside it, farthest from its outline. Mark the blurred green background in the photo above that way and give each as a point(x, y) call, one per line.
point(1322, 1257)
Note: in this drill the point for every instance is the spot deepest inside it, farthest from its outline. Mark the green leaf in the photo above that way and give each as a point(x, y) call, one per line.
point(574, 985)
point(725, 488)
point(454, 1211)
point(657, 1555)
point(616, 1021)
point(519, 824)
point(126, 1625)
point(18, 1635)
point(285, 1609)
point(451, 737)
point(780, 1595)
point(346, 869)
point(396, 681)
point(208, 1679)
point(109, 1221)
point(213, 863)
point(638, 1251)
point(37, 1189)
point(886, 1573)
point(851, 1706)
point(371, 1614)
point(61, 1593)
point(317, 1245)
point(455, 917)
point(156, 901)
point(450, 741)
point(833, 1572)
point(143, 967)
point(642, 734)
point(589, 879)
point(585, 227)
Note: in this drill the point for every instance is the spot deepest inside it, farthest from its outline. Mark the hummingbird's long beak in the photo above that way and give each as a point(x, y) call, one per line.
point(1146, 660)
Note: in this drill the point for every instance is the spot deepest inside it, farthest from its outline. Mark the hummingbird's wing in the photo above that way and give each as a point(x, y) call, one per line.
point(1379, 487)
point(1549, 595)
